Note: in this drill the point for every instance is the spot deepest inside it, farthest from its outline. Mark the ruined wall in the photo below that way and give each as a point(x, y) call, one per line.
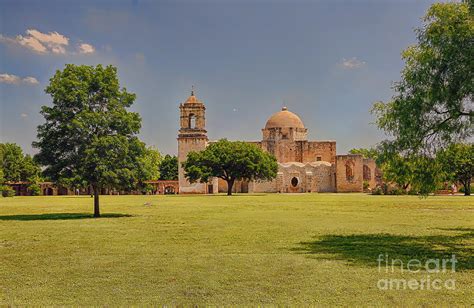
point(349, 173)
point(369, 172)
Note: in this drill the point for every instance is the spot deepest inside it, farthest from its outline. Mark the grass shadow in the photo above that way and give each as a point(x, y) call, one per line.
point(364, 249)
point(59, 216)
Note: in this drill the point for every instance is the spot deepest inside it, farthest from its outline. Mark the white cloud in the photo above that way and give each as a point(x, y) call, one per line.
point(30, 80)
point(31, 43)
point(352, 63)
point(86, 48)
point(45, 43)
point(10, 79)
point(53, 38)
point(13, 79)
point(24, 115)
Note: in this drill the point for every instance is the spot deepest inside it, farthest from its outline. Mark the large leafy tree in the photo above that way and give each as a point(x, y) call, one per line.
point(420, 173)
point(89, 137)
point(150, 166)
point(433, 106)
point(169, 168)
point(457, 163)
point(230, 161)
point(15, 166)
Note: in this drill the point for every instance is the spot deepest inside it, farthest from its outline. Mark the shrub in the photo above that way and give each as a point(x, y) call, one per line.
point(377, 191)
point(397, 192)
point(7, 191)
point(147, 189)
point(35, 189)
point(366, 185)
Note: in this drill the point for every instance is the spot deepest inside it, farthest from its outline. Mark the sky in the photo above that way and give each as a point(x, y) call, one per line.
point(327, 61)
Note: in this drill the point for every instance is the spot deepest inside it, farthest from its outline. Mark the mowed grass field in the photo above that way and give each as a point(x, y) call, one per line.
point(245, 249)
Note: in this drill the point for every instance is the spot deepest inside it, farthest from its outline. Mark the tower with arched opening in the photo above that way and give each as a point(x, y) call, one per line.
point(192, 136)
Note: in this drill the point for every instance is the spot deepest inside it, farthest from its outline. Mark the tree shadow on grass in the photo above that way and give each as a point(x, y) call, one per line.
point(364, 249)
point(60, 216)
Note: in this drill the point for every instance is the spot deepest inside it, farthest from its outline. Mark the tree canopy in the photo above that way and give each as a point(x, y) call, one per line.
point(89, 138)
point(169, 168)
point(15, 166)
point(433, 106)
point(457, 164)
point(230, 161)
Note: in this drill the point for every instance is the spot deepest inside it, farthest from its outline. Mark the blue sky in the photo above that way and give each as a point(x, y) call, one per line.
point(328, 61)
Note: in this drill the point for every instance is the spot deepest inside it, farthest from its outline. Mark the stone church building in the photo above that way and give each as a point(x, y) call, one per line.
point(303, 165)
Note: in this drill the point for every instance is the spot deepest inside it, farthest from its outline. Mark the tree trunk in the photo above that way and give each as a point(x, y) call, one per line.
point(230, 184)
point(96, 201)
point(467, 188)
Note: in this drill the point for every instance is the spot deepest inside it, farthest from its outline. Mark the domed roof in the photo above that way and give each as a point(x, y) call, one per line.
point(284, 118)
point(192, 99)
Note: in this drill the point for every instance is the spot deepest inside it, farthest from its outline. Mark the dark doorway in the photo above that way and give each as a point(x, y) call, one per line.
point(169, 190)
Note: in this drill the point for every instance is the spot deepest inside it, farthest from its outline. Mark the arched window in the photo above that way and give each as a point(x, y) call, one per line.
point(294, 181)
point(367, 173)
point(349, 170)
point(192, 121)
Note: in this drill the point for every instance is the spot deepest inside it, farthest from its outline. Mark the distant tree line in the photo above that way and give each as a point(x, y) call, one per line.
point(15, 166)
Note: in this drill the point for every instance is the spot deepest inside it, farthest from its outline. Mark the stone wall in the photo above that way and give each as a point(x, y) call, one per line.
point(323, 150)
point(301, 151)
point(186, 145)
point(297, 177)
point(349, 173)
point(369, 172)
point(263, 187)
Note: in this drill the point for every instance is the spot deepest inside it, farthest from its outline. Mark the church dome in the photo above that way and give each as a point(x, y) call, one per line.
point(284, 118)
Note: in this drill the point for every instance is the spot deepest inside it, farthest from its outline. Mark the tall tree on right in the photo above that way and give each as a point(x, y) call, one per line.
point(433, 106)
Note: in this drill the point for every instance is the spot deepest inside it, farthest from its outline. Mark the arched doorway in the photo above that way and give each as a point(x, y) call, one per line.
point(48, 191)
point(169, 190)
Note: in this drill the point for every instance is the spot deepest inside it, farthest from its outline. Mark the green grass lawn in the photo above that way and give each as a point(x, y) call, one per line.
point(244, 249)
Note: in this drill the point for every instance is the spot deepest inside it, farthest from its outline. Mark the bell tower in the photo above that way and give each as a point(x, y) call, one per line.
point(192, 136)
